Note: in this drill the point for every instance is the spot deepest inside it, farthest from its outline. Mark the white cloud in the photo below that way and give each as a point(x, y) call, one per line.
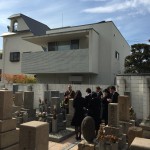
point(114, 7)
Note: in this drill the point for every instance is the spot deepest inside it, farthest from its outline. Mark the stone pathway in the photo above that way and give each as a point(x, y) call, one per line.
point(68, 144)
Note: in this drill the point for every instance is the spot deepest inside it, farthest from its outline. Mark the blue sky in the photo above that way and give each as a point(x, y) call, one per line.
point(132, 17)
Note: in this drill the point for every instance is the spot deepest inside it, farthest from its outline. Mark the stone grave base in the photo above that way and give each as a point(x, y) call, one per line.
point(140, 144)
point(145, 124)
point(9, 138)
point(61, 135)
point(125, 126)
point(108, 146)
point(112, 131)
point(146, 134)
point(13, 147)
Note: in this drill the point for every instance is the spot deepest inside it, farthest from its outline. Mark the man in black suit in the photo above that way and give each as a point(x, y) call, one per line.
point(99, 92)
point(114, 95)
point(88, 98)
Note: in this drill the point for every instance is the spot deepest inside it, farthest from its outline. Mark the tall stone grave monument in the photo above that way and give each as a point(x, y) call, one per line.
point(113, 130)
point(9, 136)
point(29, 105)
point(124, 114)
point(55, 116)
point(71, 112)
point(113, 117)
point(18, 102)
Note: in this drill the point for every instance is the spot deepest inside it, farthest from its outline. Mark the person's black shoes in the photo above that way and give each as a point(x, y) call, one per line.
point(78, 138)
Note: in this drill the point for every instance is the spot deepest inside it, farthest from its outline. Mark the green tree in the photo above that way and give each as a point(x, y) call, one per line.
point(139, 60)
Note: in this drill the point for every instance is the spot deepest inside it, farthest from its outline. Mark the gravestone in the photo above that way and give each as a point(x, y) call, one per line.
point(28, 99)
point(113, 117)
point(34, 135)
point(55, 104)
point(6, 101)
point(114, 138)
point(88, 129)
point(124, 105)
point(54, 126)
point(71, 113)
point(9, 136)
point(18, 101)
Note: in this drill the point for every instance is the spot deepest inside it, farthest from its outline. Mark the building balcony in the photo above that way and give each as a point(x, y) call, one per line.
point(67, 61)
point(56, 59)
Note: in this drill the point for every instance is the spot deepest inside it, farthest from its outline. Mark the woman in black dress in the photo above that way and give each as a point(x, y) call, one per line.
point(78, 104)
point(105, 102)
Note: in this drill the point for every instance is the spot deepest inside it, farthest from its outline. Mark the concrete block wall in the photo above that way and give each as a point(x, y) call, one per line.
point(138, 86)
point(39, 89)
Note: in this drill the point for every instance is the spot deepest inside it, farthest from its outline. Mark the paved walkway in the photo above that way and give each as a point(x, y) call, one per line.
point(68, 144)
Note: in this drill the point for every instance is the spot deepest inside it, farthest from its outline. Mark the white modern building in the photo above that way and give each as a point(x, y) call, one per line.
point(87, 54)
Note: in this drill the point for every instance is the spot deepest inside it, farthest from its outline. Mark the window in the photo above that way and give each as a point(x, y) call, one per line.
point(15, 56)
point(63, 45)
point(1, 55)
point(74, 44)
point(52, 46)
point(15, 26)
point(117, 55)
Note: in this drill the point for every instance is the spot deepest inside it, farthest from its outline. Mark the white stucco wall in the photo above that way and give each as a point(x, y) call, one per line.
point(120, 45)
point(14, 43)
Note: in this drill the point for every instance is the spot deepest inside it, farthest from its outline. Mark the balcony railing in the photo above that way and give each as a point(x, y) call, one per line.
point(67, 61)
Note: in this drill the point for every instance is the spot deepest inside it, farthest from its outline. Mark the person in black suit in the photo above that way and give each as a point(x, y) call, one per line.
point(114, 95)
point(88, 98)
point(105, 102)
point(94, 111)
point(78, 104)
point(99, 92)
point(69, 94)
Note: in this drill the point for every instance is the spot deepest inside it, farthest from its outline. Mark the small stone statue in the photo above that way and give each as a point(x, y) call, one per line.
point(88, 129)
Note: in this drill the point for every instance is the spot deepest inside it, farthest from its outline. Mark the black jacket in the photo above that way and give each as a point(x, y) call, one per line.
point(114, 97)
